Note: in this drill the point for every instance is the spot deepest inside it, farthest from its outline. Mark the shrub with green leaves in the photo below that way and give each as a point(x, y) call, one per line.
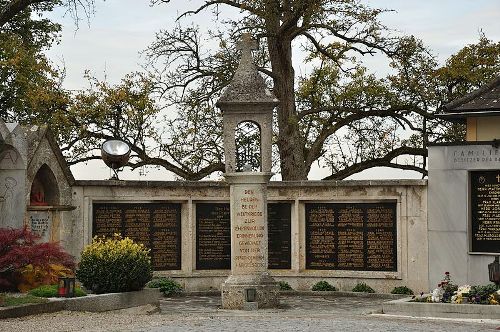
point(167, 286)
point(51, 291)
point(323, 286)
point(284, 286)
point(402, 290)
point(114, 265)
point(480, 294)
point(361, 287)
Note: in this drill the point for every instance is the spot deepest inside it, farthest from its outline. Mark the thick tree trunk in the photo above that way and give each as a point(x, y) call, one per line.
point(290, 143)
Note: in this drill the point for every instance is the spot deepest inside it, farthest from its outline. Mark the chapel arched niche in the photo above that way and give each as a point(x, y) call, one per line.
point(248, 142)
point(44, 188)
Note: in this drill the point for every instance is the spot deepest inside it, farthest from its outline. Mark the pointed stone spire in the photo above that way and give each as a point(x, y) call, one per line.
point(247, 85)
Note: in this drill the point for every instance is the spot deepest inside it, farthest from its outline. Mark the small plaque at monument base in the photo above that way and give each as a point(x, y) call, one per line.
point(485, 211)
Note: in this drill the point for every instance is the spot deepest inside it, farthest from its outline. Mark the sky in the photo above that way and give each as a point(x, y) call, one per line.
point(110, 45)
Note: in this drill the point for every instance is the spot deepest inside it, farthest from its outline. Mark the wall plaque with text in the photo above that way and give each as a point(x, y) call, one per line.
point(485, 211)
point(279, 235)
point(156, 225)
point(213, 236)
point(351, 236)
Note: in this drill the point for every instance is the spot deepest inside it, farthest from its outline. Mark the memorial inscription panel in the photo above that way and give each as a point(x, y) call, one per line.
point(213, 236)
point(351, 236)
point(485, 211)
point(156, 225)
point(279, 235)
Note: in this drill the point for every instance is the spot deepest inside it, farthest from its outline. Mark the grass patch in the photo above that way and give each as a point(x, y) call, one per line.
point(12, 301)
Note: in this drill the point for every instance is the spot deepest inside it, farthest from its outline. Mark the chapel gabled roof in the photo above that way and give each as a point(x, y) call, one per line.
point(484, 101)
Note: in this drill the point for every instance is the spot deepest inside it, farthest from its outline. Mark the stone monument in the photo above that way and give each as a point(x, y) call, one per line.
point(247, 107)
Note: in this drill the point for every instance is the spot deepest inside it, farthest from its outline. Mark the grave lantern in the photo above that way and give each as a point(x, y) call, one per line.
point(66, 287)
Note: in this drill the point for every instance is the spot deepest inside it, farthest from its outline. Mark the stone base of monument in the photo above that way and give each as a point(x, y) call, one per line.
point(239, 291)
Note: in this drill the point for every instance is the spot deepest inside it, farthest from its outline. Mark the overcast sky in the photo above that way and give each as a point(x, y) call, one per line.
point(120, 29)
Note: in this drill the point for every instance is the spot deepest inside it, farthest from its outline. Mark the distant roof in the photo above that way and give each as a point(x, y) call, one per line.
point(484, 101)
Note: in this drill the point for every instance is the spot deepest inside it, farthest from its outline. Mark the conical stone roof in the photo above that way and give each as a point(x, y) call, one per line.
point(247, 85)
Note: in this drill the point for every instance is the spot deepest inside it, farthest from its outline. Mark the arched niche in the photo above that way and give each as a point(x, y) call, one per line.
point(44, 188)
point(10, 158)
point(248, 147)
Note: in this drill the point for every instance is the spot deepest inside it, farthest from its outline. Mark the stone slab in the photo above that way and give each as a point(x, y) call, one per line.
point(445, 310)
point(90, 303)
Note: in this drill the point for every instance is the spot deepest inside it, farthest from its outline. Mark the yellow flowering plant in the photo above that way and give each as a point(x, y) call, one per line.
point(116, 264)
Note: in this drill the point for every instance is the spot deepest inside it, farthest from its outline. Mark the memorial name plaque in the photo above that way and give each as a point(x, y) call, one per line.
point(485, 211)
point(213, 236)
point(351, 236)
point(279, 235)
point(156, 225)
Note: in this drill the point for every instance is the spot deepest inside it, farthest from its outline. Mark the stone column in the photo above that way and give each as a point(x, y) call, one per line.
point(249, 249)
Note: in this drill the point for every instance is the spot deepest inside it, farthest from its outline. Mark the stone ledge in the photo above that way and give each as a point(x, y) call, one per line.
point(343, 294)
point(91, 303)
point(444, 310)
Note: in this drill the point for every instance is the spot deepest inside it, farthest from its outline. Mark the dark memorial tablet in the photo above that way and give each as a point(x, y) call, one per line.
point(485, 211)
point(351, 236)
point(213, 236)
point(279, 235)
point(156, 225)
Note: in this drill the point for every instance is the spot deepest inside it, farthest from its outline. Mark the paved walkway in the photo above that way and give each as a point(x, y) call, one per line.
point(304, 313)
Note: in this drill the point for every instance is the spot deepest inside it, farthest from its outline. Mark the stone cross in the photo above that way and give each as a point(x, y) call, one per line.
point(246, 45)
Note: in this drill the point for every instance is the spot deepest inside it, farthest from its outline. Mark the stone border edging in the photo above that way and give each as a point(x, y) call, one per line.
point(445, 310)
point(343, 294)
point(91, 303)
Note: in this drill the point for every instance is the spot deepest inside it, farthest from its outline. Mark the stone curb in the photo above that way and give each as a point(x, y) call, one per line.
point(308, 293)
point(91, 303)
point(344, 294)
point(444, 310)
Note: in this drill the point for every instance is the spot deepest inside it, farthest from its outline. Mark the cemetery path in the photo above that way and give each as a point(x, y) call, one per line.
point(298, 313)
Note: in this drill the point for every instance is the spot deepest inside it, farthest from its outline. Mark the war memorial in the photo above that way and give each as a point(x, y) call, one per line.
point(243, 234)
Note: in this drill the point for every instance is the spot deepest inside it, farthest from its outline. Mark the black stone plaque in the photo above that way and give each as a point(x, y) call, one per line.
point(279, 235)
point(351, 236)
point(485, 211)
point(213, 236)
point(156, 225)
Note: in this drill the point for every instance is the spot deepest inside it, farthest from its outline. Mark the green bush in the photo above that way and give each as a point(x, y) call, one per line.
point(114, 265)
point(323, 286)
point(167, 286)
point(51, 291)
point(284, 286)
point(480, 294)
point(402, 290)
point(361, 287)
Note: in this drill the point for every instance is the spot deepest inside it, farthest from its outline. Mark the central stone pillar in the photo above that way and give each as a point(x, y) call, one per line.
point(249, 249)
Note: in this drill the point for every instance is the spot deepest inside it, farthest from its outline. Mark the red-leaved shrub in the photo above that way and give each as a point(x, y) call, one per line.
point(19, 249)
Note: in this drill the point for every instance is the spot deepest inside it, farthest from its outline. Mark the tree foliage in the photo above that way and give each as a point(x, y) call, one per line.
point(9, 9)
point(30, 86)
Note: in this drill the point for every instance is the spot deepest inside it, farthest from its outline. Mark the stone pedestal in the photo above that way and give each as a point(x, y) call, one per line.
point(249, 249)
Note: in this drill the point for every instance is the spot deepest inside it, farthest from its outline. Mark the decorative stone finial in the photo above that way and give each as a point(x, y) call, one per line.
point(246, 45)
point(247, 86)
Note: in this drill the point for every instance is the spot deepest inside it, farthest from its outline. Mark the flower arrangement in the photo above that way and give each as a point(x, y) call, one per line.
point(448, 292)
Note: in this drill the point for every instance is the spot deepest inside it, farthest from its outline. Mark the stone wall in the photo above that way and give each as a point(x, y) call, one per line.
point(410, 197)
point(450, 214)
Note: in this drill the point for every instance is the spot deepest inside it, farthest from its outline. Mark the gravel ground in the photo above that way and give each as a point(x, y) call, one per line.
point(202, 314)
